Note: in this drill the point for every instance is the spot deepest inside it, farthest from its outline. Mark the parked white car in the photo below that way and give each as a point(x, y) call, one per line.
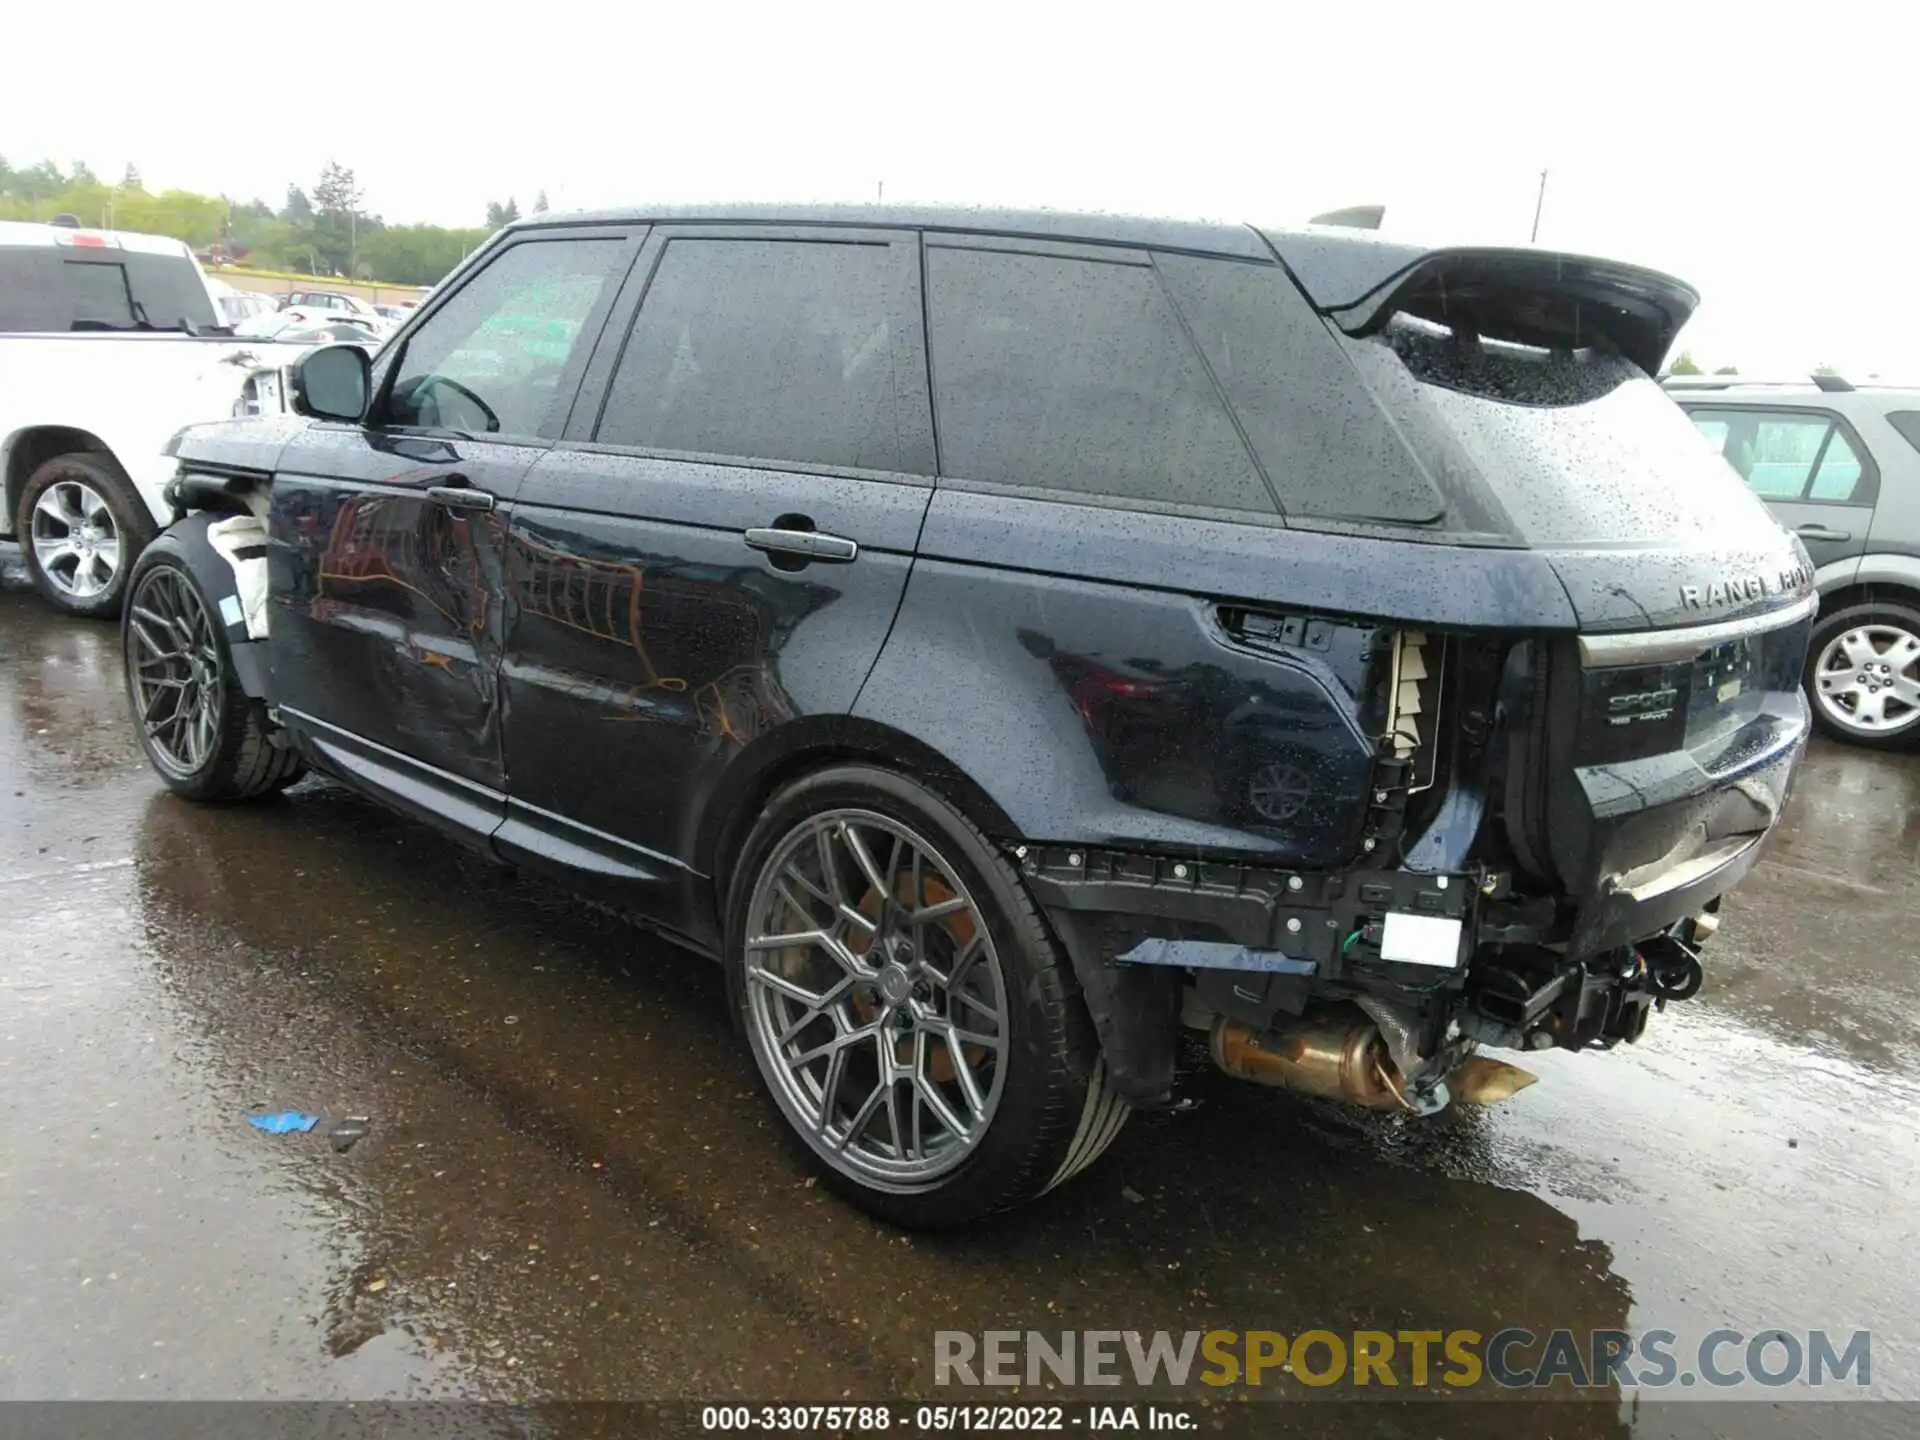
point(109, 343)
point(239, 306)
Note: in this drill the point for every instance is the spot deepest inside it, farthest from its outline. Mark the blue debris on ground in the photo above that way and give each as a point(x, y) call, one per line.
point(284, 1122)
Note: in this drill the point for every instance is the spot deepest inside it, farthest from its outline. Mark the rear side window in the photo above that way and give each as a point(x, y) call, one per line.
point(794, 350)
point(1907, 422)
point(1786, 455)
point(1071, 374)
point(1326, 450)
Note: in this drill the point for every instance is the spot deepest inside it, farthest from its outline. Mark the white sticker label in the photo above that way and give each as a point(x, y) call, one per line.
point(1421, 940)
point(230, 609)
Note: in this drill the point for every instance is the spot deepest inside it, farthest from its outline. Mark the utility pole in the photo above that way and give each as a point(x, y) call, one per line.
point(881, 188)
point(1539, 200)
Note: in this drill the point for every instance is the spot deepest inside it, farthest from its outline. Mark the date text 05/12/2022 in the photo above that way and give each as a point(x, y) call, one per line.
point(940, 1418)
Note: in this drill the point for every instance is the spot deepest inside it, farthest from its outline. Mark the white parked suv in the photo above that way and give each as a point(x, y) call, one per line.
point(109, 343)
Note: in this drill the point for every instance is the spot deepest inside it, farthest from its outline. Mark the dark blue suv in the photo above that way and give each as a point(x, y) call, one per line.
point(1004, 640)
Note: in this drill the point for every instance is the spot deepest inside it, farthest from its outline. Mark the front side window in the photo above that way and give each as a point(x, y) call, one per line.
point(491, 360)
point(791, 350)
point(1072, 374)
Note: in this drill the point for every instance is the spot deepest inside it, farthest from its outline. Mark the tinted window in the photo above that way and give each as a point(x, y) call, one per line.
point(98, 293)
point(1907, 422)
point(774, 350)
point(1573, 447)
point(1325, 448)
point(30, 298)
point(1074, 374)
point(491, 359)
point(50, 288)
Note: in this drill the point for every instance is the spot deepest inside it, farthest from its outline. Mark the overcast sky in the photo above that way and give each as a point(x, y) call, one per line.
point(1769, 161)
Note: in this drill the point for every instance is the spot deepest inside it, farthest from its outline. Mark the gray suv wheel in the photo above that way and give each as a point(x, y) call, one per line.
point(1863, 675)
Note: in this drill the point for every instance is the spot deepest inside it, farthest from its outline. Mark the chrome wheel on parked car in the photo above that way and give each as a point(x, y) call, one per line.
point(875, 999)
point(1866, 679)
point(76, 543)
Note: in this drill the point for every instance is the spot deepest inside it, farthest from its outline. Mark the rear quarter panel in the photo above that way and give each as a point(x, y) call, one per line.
point(1071, 661)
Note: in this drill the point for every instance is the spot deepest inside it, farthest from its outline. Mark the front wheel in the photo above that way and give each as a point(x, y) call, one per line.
point(1863, 675)
point(912, 1018)
point(205, 736)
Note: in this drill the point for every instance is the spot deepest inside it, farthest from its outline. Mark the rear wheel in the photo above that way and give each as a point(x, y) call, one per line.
point(1863, 675)
point(81, 527)
point(912, 1018)
point(201, 731)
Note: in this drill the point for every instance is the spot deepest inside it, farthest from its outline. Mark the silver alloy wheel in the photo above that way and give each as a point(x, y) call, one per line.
point(1867, 679)
point(876, 1002)
point(75, 540)
point(174, 663)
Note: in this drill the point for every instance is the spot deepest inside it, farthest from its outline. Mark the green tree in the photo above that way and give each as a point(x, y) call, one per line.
point(540, 203)
point(1728, 370)
point(298, 209)
point(131, 180)
point(498, 214)
point(1826, 368)
point(419, 254)
point(82, 174)
point(1684, 364)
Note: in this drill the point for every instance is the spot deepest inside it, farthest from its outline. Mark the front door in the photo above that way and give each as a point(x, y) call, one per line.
point(386, 568)
point(717, 552)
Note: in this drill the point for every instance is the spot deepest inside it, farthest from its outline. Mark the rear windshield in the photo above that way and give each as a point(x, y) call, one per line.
point(1553, 447)
point(60, 288)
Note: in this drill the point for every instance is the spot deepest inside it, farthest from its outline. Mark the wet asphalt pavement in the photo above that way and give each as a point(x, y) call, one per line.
point(570, 1188)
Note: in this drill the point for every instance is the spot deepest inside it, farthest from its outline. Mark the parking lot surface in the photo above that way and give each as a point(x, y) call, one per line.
point(570, 1189)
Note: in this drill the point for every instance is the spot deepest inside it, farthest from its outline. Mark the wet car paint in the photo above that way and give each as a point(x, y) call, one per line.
point(570, 1189)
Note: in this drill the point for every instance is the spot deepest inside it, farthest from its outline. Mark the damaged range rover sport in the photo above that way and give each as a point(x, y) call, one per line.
point(1005, 640)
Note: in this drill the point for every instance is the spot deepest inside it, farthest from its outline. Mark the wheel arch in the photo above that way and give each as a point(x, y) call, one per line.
point(815, 743)
point(1890, 589)
point(188, 543)
point(31, 446)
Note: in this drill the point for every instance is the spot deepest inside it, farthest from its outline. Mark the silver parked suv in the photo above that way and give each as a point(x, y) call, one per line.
point(1839, 466)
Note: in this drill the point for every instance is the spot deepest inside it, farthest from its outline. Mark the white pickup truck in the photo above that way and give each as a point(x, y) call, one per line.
point(109, 343)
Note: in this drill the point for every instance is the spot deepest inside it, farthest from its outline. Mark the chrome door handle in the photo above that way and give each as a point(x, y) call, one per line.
point(460, 497)
point(806, 544)
point(1814, 530)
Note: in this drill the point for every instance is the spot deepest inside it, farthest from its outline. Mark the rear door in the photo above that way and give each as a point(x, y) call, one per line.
point(1108, 625)
point(1807, 464)
point(387, 559)
point(718, 549)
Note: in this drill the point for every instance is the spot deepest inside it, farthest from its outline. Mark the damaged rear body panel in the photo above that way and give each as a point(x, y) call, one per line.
point(1460, 747)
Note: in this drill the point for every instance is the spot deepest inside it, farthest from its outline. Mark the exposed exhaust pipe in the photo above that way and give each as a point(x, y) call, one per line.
point(1335, 1053)
point(1338, 1053)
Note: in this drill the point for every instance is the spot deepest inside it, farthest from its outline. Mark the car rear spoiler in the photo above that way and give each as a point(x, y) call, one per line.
point(1530, 297)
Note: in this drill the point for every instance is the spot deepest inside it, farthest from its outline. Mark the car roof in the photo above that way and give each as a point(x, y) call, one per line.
point(1204, 236)
point(1748, 393)
point(29, 232)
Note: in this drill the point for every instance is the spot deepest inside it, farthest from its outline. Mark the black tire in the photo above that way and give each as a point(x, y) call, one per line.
point(1055, 1111)
point(232, 755)
point(63, 583)
point(1878, 620)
